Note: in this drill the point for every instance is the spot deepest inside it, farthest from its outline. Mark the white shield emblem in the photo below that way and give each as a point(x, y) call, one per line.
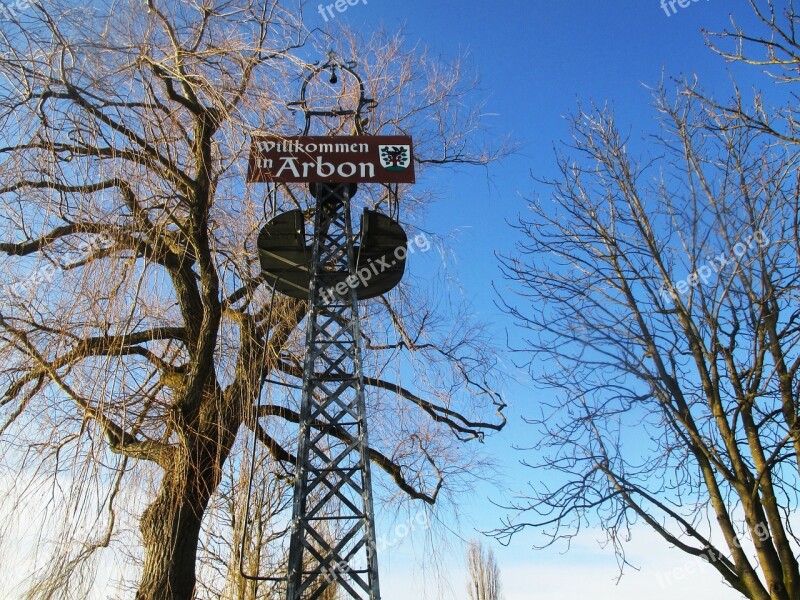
point(395, 158)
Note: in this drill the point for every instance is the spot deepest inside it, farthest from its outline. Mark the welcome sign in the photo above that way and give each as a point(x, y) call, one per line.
point(331, 159)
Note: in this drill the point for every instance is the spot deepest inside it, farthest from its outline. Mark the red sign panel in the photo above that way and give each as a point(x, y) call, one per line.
point(331, 159)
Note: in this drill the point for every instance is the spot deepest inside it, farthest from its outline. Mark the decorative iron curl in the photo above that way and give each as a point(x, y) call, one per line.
point(334, 65)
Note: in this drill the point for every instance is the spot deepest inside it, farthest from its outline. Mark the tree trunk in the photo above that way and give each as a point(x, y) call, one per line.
point(170, 526)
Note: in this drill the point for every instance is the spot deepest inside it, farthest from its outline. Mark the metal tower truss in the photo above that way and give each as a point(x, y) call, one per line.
point(333, 530)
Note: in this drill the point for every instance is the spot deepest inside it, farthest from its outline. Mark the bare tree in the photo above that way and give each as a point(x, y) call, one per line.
point(484, 574)
point(136, 334)
point(226, 543)
point(660, 299)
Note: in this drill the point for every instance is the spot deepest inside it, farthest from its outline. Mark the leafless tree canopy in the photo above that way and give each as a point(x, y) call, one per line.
point(135, 332)
point(483, 572)
point(660, 299)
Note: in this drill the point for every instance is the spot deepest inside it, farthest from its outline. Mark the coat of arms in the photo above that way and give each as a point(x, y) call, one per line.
point(395, 158)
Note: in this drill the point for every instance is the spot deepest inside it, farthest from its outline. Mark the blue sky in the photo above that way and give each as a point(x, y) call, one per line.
point(536, 60)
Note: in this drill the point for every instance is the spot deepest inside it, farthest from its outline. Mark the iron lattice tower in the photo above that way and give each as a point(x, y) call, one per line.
point(333, 529)
point(332, 539)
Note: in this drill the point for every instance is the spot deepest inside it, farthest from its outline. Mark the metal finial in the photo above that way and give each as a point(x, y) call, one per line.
point(334, 66)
